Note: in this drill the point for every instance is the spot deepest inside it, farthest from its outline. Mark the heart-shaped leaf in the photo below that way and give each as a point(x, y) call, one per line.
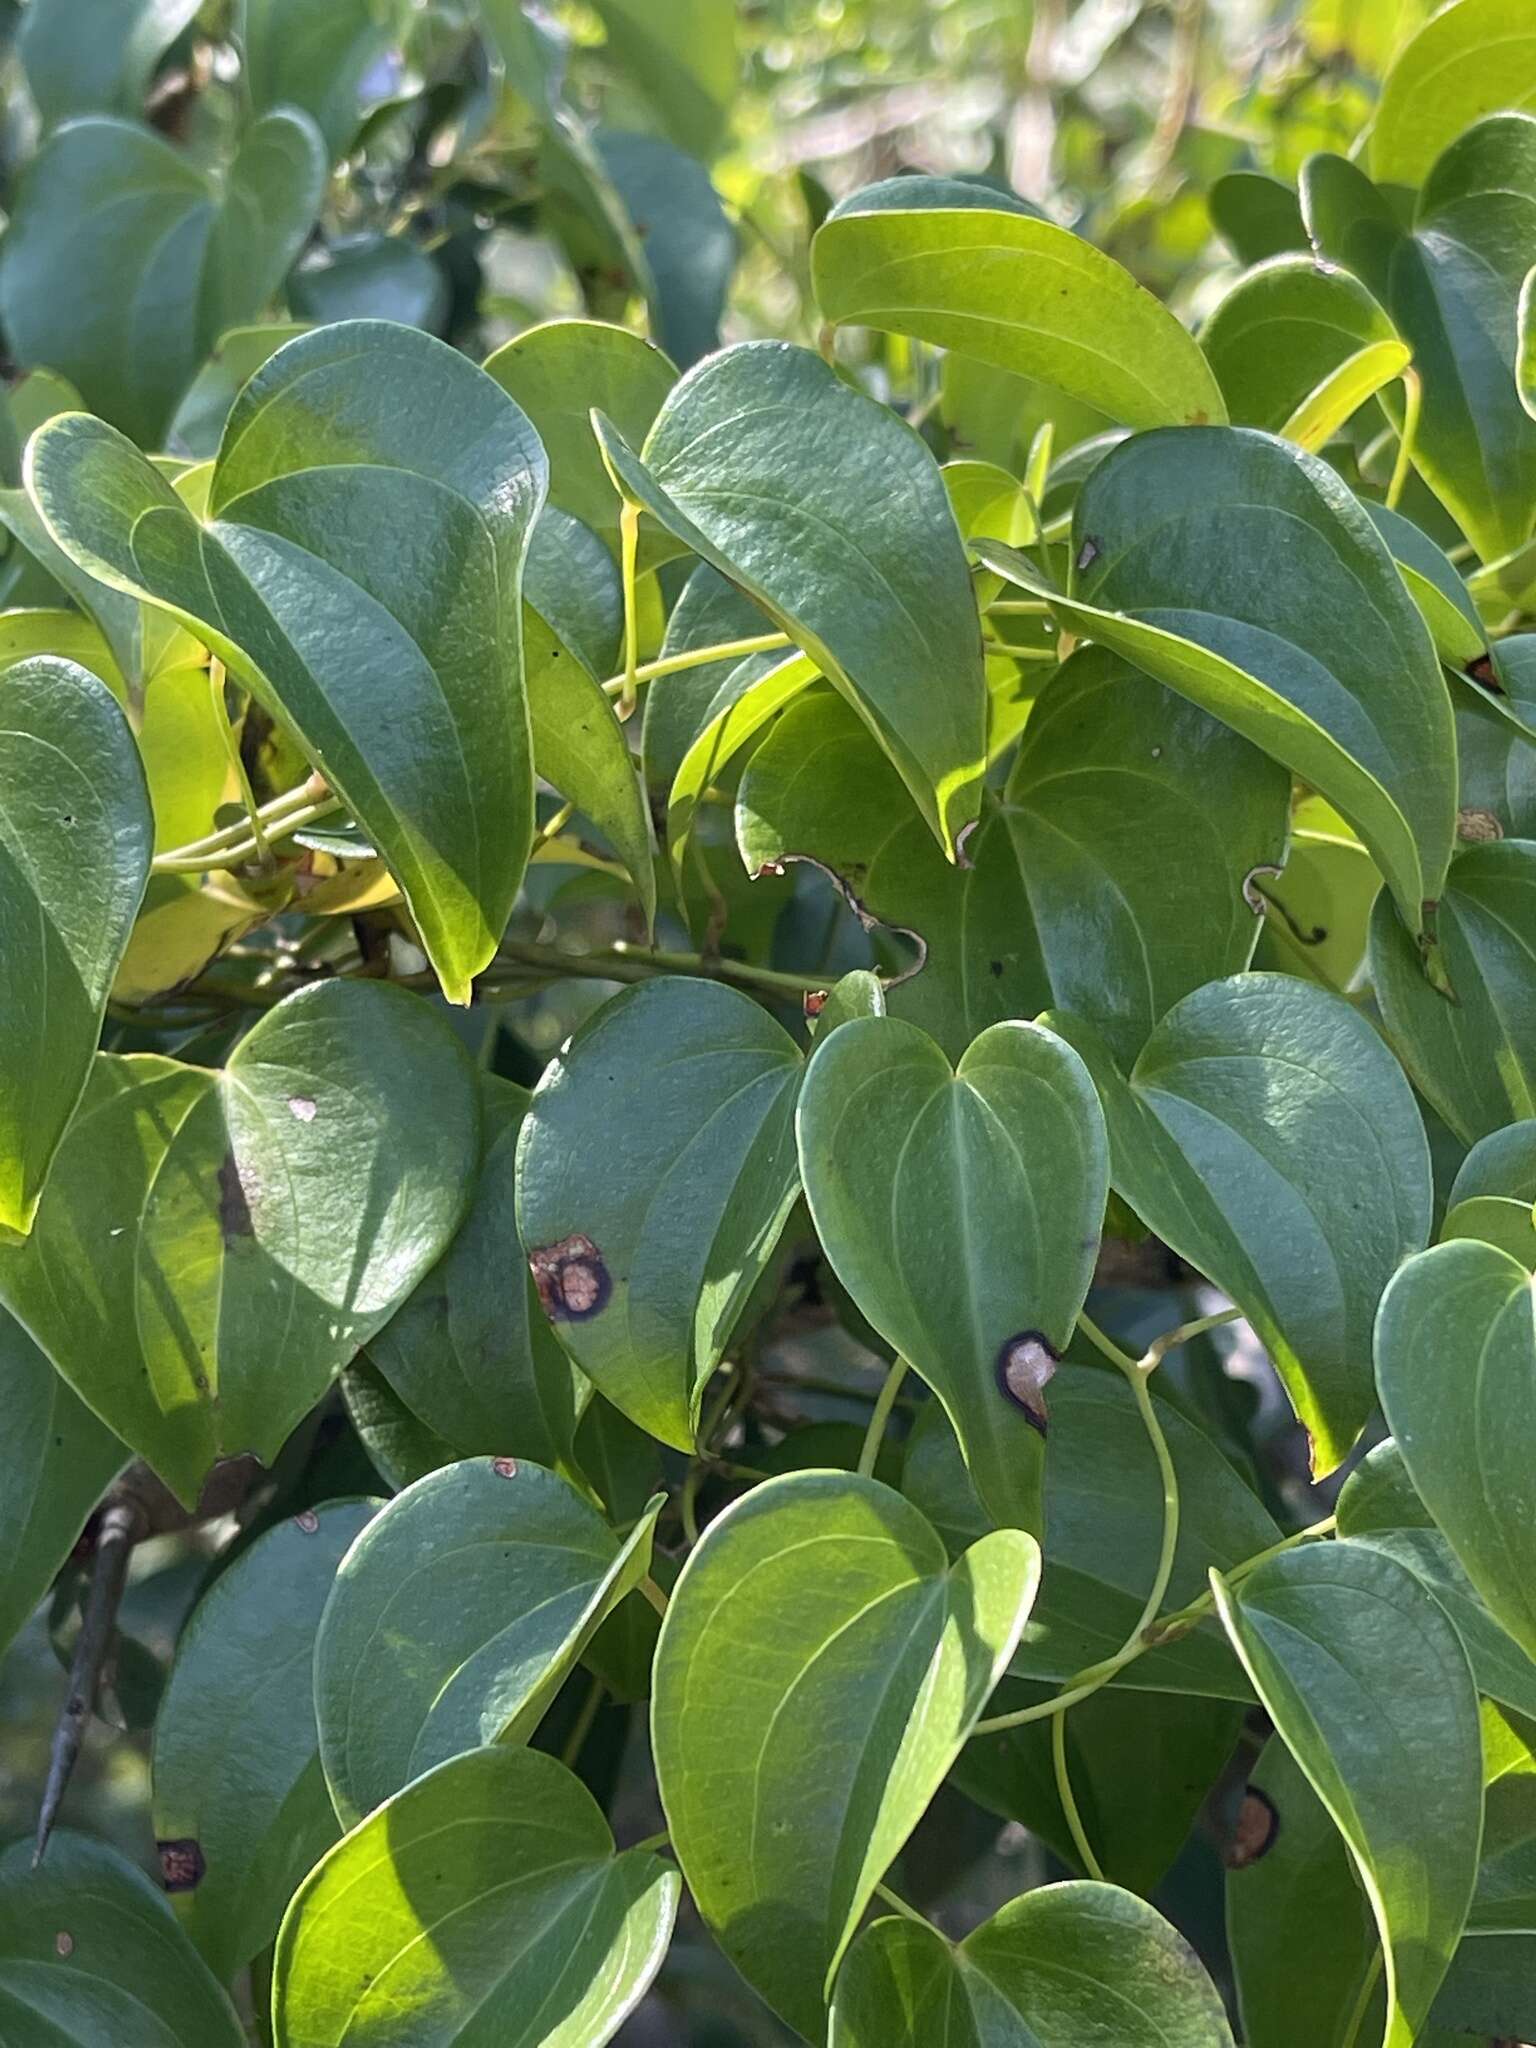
point(1456, 1364)
point(90, 1951)
point(1472, 59)
point(1493, 1196)
point(241, 1809)
point(646, 1246)
point(76, 837)
point(1020, 293)
point(1239, 571)
point(59, 1461)
point(961, 1209)
point(1367, 1684)
point(1450, 282)
point(1284, 329)
point(1471, 1053)
point(213, 1247)
point(171, 252)
point(860, 562)
point(1138, 819)
point(531, 1932)
point(819, 789)
point(1257, 214)
point(1104, 1518)
point(456, 1617)
point(819, 1601)
point(316, 54)
point(354, 542)
point(1270, 1138)
point(1051, 1970)
point(106, 72)
point(1380, 1506)
point(471, 1353)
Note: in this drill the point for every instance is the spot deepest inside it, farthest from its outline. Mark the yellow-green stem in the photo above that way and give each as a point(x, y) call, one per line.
point(1091, 1865)
point(880, 1415)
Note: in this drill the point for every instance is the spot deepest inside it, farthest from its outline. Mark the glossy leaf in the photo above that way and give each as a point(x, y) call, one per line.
point(471, 1352)
point(686, 66)
point(688, 243)
point(961, 1208)
point(1456, 1363)
point(76, 837)
point(1240, 572)
point(105, 72)
point(1270, 1138)
point(199, 423)
point(59, 1462)
point(1258, 215)
point(212, 1248)
point(818, 789)
point(1103, 1518)
point(1051, 1970)
point(645, 1253)
point(240, 1805)
point(1493, 1196)
point(170, 252)
point(1023, 294)
point(1450, 283)
point(90, 1951)
point(1138, 819)
point(860, 563)
point(532, 1932)
point(1368, 1686)
point(1283, 328)
point(456, 1617)
point(316, 584)
point(316, 54)
point(819, 1601)
point(1436, 587)
point(1472, 1054)
point(1474, 58)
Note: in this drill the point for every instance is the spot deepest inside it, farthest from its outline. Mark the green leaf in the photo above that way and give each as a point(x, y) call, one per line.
point(90, 1951)
point(212, 1247)
point(371, 277)
point(76, 836)
point(685, 64)
point(1298, 1925)
point(471, 1353)
point(655, 1173)
point(1053, 1969)
point(1472, 1054)
point(859, 562)
point(1282, 329)
point(1435, 586)
point(199, 423)
point(1456, 1364)
point(104, 72)
point(316, 54)
point(1137, 819)
point(455, 1619)
point(1104, 1518)
point(961, 1208)
point(1378, 1506)
point(1474, 58)
point(1271, 1139)
point(1493, 1196)
point(558, 372)
point(1142, 1766)
point(1022, 294)
point(59, 1462)
point(1240, 572)
point(910, 192)
point(819, 789)
point(353, 541)
point(531, 1932)
point(1450, 283)
point(170, 251)
point(240, 1805)
point(1367, 1684)
point(1258, 215)
point(688, 243)
point(819, 1602)
point(400, 1447)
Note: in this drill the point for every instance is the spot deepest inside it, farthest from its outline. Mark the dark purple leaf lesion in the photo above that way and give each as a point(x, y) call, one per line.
point(182, 1864)
point(573, 1281)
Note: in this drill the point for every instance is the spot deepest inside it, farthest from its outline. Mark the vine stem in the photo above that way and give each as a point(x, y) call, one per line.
point(1091, 1865)
point(651, 1592)
point(581, 1727)
point(899, 1905)
point(283, 814)
point(696, 657)
point(1363, 2002)
point(216, 679)
point(1183, 1619)
point(879, 1416)
point(623, 962)
point(1413, 398)
point(629, 553)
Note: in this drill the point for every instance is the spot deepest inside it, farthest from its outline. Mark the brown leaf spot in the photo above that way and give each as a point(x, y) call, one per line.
point(504, 1468)
point(307, 1522)
point(1257, 1826)
point(1025, 1367)
point(182, 1864)
point(816, 1001)
point(1477, 827)
point(63, 1944)
point(234, 1210)
point(1482, 673)
point(574, 1285)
